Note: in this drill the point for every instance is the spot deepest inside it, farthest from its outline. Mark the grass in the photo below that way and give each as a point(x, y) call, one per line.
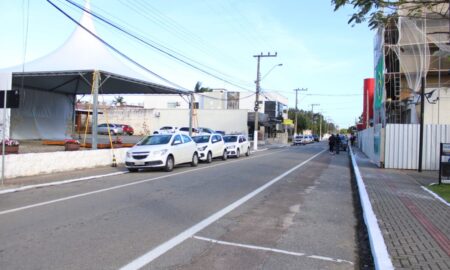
point(442, 190)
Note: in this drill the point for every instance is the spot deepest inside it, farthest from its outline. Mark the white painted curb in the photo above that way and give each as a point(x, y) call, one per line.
point(435, 196)
point(379, 250)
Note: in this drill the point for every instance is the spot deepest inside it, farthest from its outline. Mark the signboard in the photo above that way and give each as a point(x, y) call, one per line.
point(444, 164)
point(288, 122)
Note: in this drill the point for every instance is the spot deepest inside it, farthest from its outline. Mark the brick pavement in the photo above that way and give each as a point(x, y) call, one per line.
point(415, 225)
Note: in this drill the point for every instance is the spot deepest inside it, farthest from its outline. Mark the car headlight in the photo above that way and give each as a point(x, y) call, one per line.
point(160, 152)
point(202, 148)
point(128, 154)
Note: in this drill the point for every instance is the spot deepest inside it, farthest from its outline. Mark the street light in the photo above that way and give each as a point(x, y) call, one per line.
point(270, 70)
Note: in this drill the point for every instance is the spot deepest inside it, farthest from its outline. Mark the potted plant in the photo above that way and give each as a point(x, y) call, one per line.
point(71, 145)
point(117, 142)
point(11, 146)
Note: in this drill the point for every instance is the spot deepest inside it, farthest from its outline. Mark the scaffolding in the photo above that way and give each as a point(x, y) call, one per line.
point(413, 48)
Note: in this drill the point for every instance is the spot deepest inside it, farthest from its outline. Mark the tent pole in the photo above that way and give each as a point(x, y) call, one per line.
point(95, 109)
point(3, 136)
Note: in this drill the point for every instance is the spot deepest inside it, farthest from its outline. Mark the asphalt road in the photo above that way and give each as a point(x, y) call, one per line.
point(288, 208)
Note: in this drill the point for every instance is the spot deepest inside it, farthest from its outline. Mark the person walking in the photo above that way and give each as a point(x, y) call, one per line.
point(331, 142)
point(337, 142)
point(352, 140)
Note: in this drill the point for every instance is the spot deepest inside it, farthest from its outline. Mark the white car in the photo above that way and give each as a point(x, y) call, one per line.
point(210, 146)
point(237, 145)
point(162, 150)
point(185, 131)
point(166, 130)
point(299, 139)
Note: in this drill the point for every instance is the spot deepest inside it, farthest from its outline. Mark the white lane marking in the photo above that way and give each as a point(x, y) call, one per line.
point(275, 250)
point(174, 241)
point(59, 182)
point(435, 196)
point(126, 185)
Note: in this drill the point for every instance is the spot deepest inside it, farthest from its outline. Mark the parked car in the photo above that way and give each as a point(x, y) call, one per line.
point(210, 146)
point(236, 144)
point(202, 130)
point(185, 130)
point(221, 132)
point(298, 139)
point(163, 151)
point(344, 142)
point(316, 137)
point(308, 138)
point(114, 129)
point(166, 130)
point(127, 129)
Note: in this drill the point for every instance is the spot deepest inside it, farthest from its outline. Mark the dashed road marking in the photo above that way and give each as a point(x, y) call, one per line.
point(176, 240)
point(274, 250)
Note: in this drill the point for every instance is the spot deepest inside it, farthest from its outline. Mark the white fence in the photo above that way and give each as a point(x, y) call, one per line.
point(401, 145)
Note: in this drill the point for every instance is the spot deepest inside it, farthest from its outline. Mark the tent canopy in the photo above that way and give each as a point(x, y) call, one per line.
point(79, 82)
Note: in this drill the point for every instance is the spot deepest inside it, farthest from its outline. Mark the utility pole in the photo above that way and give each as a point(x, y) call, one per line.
point(296, 109)
point(191, 113)
point(312, 116)
point(258, 79)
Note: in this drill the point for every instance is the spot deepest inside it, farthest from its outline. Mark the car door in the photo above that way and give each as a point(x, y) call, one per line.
point(214, 145)
point(177, 149)
point(189, 147)
point(220, 145)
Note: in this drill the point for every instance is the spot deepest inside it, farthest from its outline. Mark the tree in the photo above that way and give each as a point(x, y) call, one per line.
point(378, 12)
point(119, 101)
point(199, 89)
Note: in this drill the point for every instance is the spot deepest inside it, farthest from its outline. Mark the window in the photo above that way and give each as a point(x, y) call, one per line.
point(156, 139)
point(177, 139)
point(186, 139)
point(172, 105)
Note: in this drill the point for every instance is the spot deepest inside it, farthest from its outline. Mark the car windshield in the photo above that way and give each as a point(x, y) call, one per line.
point(155, 140)
point(230, 138)
point(201, 139)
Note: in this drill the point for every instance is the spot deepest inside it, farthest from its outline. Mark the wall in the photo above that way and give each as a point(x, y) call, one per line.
point(161, 101)
point(145, 121)
point(41, 163)
point(438, 113)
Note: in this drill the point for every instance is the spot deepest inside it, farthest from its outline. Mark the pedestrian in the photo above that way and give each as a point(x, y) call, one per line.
point(331, 142)
point(352, 139)
point(337, 142)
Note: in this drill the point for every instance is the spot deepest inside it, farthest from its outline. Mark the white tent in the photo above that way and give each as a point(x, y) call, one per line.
point(49, 85)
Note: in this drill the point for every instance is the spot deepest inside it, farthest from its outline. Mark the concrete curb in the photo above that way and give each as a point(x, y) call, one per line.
point(380, 254)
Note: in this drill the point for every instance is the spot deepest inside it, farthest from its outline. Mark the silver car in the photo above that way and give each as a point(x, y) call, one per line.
point(113, 128)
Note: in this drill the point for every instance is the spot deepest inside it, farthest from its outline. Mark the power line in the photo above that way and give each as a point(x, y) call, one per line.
point(116, 50)
point(153, 46)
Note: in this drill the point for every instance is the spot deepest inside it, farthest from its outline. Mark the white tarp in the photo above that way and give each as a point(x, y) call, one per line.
point(42, 115)
point(5, 84)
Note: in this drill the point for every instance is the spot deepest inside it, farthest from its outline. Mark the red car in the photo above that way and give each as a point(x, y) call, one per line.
point(127, 129)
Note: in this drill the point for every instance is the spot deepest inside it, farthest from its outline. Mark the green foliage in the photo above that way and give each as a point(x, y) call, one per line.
point(119, 101)
point(199, 89)
point(307, 122)
point(378, 12)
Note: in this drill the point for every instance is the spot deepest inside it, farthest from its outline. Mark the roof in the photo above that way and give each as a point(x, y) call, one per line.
point(78, 82)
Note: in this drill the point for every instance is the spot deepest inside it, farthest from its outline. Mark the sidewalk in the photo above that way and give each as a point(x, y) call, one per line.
point(415, 226)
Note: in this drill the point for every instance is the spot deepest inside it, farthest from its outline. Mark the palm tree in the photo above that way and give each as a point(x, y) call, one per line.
point(199, 89)
point(119, 101)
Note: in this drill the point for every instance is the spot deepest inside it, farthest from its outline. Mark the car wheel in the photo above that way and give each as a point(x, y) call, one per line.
point(194, 161)
point(169, 164)
point(248, 152)
point(132, 169)
point(209, 158)
point(224, 155)
point(130, 133)
point(238, 153)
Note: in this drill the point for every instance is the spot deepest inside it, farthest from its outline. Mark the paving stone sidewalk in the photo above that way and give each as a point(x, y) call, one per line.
point(414, 224)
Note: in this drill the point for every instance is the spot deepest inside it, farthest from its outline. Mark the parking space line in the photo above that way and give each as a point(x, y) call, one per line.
point(176, 240)
point(60, 182)
point(274, 250)
point(127, 185)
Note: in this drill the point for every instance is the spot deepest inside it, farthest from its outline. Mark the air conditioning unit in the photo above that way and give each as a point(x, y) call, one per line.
point(157, 114)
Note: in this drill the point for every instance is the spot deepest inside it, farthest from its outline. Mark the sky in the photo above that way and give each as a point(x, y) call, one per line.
point(318, 49)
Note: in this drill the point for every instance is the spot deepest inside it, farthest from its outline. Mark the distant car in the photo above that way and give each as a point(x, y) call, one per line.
point(185, 130)
point(114, 129)
point(236, 145)
point(210, 146)
point(202, 130)
point(316, 138)
point(166, 130)
point(308, 138)
point(344, 143)
point(298, 140)
point(221, 132)
point(163, 151)
point(127, 129)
